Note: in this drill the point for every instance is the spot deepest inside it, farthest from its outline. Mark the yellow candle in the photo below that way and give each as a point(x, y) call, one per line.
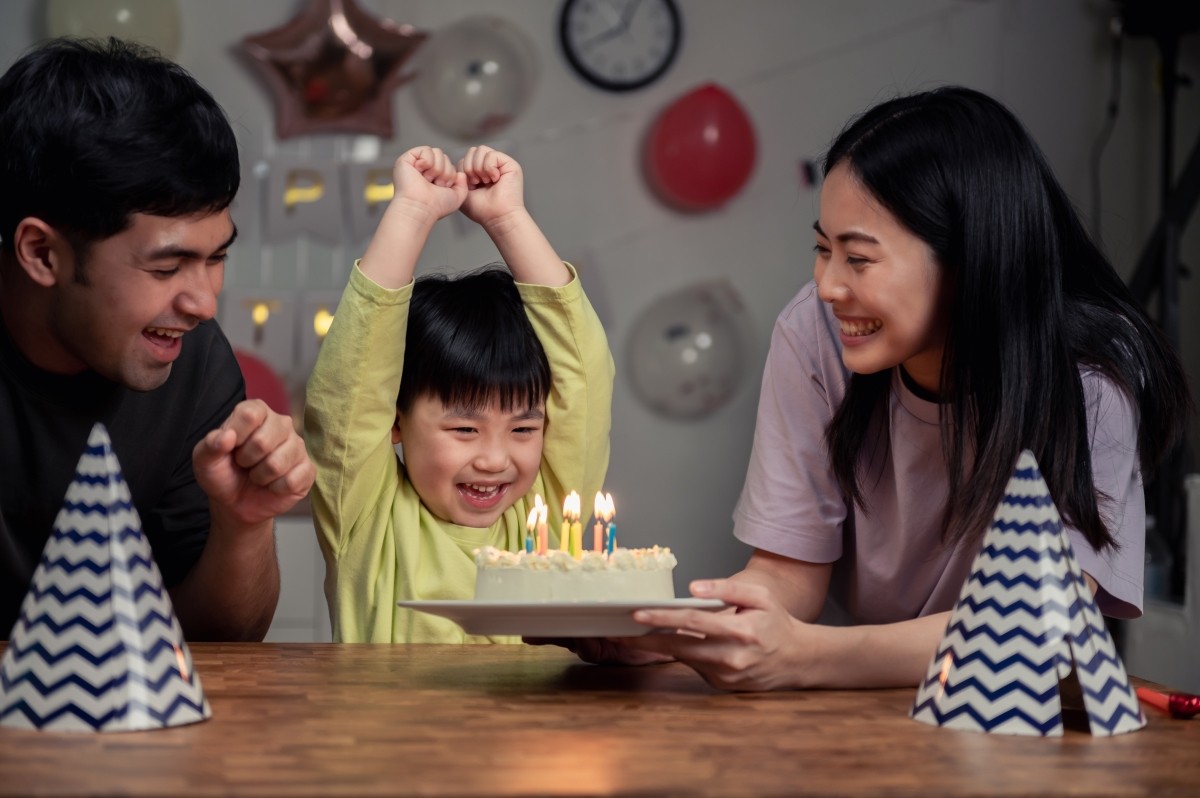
point(576, 539)
point(572, 533)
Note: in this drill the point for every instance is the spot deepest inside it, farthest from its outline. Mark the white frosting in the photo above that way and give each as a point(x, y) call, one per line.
point(626, 575)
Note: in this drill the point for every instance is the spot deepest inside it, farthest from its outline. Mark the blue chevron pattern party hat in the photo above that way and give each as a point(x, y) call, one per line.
point(97, 646)
point(1024, 621)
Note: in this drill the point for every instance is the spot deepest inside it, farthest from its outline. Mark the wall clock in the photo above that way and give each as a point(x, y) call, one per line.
point(620, 45)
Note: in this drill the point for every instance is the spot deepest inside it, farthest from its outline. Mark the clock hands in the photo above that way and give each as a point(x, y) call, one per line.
point(621, 26)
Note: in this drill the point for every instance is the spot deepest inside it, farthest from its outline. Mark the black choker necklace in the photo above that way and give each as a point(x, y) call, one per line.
point(917, 390)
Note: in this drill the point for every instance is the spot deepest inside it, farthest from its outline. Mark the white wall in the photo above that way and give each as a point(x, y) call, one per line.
point(801, 68)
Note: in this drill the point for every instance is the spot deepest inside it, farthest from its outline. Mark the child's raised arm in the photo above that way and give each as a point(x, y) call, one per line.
point(496, 201)
point(427, 188)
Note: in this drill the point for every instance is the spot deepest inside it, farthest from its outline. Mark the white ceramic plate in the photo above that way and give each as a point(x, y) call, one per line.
point(554, 619)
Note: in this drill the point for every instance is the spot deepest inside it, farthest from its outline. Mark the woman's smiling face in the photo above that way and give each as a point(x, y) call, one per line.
point(883, 283)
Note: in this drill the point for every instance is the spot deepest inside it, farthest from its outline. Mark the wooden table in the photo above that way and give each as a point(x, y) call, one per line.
point(299, 719)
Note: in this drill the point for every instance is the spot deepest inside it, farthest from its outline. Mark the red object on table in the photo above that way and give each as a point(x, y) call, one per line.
point(1178, 705)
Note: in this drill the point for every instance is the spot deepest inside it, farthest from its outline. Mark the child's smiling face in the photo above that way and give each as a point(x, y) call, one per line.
point(883, 283)
point(469, 465)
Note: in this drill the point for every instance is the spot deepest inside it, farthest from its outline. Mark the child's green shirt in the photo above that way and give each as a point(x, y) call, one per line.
point(381, 544)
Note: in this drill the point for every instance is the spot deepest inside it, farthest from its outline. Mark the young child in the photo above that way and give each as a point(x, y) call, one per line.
point(496, 391)
point(960, 314)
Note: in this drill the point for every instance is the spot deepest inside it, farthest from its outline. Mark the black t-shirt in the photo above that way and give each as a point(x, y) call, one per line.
point(45, 420)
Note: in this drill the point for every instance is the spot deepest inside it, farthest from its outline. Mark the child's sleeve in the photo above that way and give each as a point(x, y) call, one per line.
point(350, 407)
point(579, 408)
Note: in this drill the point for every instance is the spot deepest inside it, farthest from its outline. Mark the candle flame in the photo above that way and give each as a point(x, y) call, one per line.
point(571, 507)
point(531, 522)
point(947, 662)
point(610, 509)
point(599, 506)
point(181, 661)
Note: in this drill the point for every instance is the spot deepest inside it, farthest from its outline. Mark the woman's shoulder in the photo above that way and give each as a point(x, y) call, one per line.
point(1106, 402)
point(1098, 386)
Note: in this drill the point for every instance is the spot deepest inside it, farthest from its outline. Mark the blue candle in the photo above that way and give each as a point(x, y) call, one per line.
point(528, 544)
point(611, 534)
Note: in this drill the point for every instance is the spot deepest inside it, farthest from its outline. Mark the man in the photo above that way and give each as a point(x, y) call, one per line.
point(117, 170)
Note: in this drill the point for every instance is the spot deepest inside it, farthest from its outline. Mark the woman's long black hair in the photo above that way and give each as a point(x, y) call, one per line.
point(1033, 299)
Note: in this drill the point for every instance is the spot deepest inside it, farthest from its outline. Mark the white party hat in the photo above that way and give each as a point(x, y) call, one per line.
point(1026, 621)
point(97, 646)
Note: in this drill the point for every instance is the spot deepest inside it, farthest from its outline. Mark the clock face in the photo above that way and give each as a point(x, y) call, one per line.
point(620, 44)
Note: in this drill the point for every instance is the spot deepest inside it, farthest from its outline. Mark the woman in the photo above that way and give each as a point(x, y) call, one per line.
point(959, 314)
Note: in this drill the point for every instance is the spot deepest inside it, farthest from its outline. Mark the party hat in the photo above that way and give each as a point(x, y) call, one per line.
point(97, 646)
point(1025, 622)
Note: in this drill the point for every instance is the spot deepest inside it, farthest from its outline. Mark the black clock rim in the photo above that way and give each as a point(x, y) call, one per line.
point(613, 85)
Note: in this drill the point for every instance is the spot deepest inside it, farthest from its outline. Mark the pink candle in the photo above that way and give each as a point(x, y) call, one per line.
point(598, 529)
point(542, 532)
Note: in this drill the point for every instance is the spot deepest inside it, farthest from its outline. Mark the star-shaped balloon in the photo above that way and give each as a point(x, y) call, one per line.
point(333, 68)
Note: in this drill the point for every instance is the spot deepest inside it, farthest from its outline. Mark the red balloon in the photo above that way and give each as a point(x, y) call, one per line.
point(701, 149)
point(263, 383)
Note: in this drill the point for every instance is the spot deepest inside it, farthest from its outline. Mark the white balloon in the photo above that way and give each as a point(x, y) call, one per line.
point(152, 22)
point(474, 77)
point(685, 350)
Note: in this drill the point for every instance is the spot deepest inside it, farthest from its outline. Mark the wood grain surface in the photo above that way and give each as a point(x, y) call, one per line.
point(325, 719)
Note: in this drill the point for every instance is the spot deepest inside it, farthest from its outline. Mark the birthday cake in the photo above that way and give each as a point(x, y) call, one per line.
point(624, 575)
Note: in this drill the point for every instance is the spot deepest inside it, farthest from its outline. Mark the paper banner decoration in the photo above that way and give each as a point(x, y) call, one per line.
point(97, 646)
point(262, 323)
point(303, 198)
point(1024, 622)
point(369, 189)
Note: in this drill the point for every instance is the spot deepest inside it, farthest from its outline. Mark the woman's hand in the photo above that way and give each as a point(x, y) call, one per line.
point(754, 645)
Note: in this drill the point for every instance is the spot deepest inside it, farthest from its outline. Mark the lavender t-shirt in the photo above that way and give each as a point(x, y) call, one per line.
point(891, 565)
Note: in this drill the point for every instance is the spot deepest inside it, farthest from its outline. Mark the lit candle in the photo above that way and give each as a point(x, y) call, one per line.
point(571, 533)
point(530, 528)
point(598, 529)
point(610, 512)
point(543, 533)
